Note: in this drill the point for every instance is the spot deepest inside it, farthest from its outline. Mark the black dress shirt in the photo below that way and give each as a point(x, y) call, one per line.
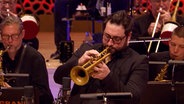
point(140, 29)
point(29, 61)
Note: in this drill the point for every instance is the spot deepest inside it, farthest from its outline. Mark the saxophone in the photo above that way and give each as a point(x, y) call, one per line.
point(2, 83)
point(161, 76)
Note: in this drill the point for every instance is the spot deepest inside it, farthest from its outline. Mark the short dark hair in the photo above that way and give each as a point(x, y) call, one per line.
point(120, 18)
point(179, 31)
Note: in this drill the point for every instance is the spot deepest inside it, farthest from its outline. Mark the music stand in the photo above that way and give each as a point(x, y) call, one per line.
point(169, 92)
point(161, 93)
point(141, 42)
point(106, 96)
point(16, 75)
point(174, 63)
point(23, 95)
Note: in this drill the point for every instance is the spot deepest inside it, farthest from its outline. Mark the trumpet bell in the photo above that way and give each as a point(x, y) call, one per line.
point(79, 75)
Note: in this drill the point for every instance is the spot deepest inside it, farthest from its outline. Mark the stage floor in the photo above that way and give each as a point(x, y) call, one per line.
point(47, 47)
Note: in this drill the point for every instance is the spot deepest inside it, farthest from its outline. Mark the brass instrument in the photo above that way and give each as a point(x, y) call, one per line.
point(161, 75)
point(2, 83)
point(154, 29)
point(169, 26)
point(173, 18)
point(80, 74)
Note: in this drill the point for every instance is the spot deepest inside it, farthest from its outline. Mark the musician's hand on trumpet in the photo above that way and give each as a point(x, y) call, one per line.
point(100, 71)
point(88, 55)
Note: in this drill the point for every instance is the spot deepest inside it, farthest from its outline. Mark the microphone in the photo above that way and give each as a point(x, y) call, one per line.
point(66, 81)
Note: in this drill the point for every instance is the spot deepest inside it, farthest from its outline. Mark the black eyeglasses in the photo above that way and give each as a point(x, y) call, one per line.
point(7, 37)
point(115, 39)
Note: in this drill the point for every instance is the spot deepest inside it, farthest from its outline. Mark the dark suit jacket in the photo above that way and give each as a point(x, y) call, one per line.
point(129, 72)
point(31, 62)
point(139, 29)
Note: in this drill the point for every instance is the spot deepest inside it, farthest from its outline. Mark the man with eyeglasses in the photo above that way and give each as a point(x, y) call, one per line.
point(126, 71)
point(20, 58)
point(8, 8)
point(144, 25)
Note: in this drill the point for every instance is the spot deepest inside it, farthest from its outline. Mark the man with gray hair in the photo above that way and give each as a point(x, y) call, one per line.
point(23, 59)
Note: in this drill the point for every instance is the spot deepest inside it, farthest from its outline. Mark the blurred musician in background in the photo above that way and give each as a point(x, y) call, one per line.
point(21, 58)
point(176, 52)
point(8, 8)
point(144, 25)
point(126, 71)
point(63, 9)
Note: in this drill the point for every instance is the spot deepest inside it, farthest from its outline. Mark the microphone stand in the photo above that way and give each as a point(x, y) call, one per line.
point(64, 92)
point(106, 96)
point(67, 45)
point(174, 62)
point(172, 79)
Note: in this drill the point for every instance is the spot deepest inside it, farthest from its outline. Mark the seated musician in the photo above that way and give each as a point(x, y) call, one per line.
point(144, 25)
point(126, 71)
point(8, 8)
point(176, 52)
point(19, 58)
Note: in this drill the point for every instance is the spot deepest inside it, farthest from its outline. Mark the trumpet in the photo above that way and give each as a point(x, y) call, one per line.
point(81, 74)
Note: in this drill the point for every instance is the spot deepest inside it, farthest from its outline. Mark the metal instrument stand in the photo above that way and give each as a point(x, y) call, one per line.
point(64, 92)
point(174, 62)
point(67, 19)
point(66, 46)
point(107, 96)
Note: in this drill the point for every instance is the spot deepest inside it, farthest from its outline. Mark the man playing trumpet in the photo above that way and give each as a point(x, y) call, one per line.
point(127, 71)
